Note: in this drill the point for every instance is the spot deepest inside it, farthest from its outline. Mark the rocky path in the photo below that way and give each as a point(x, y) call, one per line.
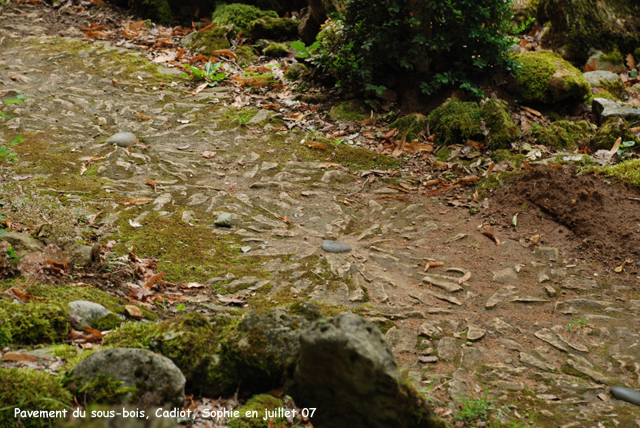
point(539, 333)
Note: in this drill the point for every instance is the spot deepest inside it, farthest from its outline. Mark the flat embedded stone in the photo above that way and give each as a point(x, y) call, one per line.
point(224, 220)
point(122, 139)
point(335, 246)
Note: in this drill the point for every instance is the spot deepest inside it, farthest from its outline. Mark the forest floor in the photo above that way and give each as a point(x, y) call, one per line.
point(540, 330)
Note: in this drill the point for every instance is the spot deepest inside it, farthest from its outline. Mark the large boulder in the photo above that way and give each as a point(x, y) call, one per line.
point(313, 17)
point(578, 26)
point(546, 78)
point(220, 354)
point(129, 376)
point(270, 28)
point(346, 371)
point(605, 109)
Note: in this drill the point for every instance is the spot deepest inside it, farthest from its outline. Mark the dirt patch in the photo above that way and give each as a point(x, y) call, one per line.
point(582, 214)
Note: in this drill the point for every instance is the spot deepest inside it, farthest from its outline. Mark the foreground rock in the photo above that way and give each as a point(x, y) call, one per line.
point(605, 109)
point(218, 355)
point(347, 371)
point(131, 376)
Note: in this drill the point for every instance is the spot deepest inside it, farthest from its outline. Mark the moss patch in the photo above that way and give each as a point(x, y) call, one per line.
point(610, 131)
point(107, 322)
point(515, 158)
point(626, 172)
point(184, 252)
point(130, 335)
point(239, 15)
point(104, 389)
point(276, 50)
point(413, 124)
point(246, 56)
point(208, 41)
point(30, 390)
point(271, 28)
point(33, 323)
point(253, 412)
point(546, 78)
point(456, 121)
point(563, 133)
point(353, 111)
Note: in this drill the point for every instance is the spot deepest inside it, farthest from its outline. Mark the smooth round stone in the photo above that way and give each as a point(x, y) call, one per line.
point(224, 220)
point(335, 246)
point(625, 394)
point(122, 139)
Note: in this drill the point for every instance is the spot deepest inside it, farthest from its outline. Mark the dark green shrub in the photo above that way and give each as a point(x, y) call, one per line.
point(447, 41)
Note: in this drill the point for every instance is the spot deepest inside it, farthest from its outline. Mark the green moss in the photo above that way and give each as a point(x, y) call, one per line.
point(185, 253)
point(614, 57)
point(64, 351)
point(273, 28)
point(208, 41)
point(546, 78)
point(353, 110)
point(502, 130)
point(625, 172)
point(239, 15)
point(563, 134)
point(602, 94)
point(515, 158)
point(157, 10)
point(107, 322)
point(30, 390)
point(131, 335)
point(246, 55)
point(276, 50)
point(294, 71)
point(413, 124)
point(455, 122)
point(103, 389)
point(254, 410)
point(616, 88)
point(610, 131)
point(33, 323)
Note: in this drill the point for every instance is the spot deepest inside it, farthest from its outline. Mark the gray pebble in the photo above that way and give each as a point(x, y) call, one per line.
point(335, 246)
point(625, 394)
point(122, 139)
point(224, 220)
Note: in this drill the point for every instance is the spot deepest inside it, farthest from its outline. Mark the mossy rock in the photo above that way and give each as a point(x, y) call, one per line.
point(33, 323)
point(246, 56)
point(107, 322)
point(353, 110)
point(294, 71)
point(456, 121)
point(271, 28)
point(515, 158)
point(610, 131)
point(602, 94)
point(218, 355)
point(256, 407)
point(579, 26)
point(208, 41)
point(239, 15)
point(276, 50)
point(546, 78)
point(30, 390)
point(413, 124)
point(497, 118)
point(563, 134)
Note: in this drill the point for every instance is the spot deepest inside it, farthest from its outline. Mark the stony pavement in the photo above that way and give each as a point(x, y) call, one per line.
point(541, 334)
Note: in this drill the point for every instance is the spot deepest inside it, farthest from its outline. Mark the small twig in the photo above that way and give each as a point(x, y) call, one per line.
point(631, 199)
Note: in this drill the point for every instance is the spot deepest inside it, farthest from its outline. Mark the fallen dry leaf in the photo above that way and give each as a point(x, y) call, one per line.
point(492, 236)
point(314, 145)
point(631, 62)
point(226, 52)
point(535, 239)
point(141, 116)
point(621, 267)
point(18, 356)
point(532, 111)
point(136, 201)
point(616, 146)
point(208, 154)
point(329, 165)
point(151, 183)
point(526, 165)
point(152, 280)
point(465, 278)
point(431, 264)
point(476, 145)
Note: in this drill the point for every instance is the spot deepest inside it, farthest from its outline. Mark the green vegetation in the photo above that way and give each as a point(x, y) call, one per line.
point(456, 121)
point(210, 73)
point(257, 406)
point(7, 153)
point(375, 39)
point(104, 389)
point(471, 410)
point(546, 78)
point(611, 130)
point(271, 28)
point(276, 50)
point(413, 124)
point(352, 110)
point(30, 390)
point(157, 10)
point(246, 55)
point(32, 323)
point(625, 172)
point(208, 41)
point(563, 134)
point(239, 15)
